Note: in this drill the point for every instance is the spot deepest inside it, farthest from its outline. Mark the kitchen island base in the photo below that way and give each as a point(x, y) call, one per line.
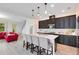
point(67, 50)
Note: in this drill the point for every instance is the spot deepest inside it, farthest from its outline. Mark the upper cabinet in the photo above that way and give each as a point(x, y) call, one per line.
point(61, 22)
point(72, 21)
point(66, 22)
point(78, 22)
point(43, 24)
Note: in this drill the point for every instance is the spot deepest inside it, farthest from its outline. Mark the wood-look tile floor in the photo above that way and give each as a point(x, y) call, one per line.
point(58, 53)
point(13, 48)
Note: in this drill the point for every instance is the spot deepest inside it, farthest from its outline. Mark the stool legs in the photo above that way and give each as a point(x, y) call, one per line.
point(27, 45)
point(23, 44)
point(32, 47)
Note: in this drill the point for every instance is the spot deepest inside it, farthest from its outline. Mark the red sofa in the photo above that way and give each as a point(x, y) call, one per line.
point(11, 36)
point(2, 35)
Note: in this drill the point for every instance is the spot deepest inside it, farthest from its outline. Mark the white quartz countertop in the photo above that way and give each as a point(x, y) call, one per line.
point(45, 35)
point(71, 32)
point(50, 37)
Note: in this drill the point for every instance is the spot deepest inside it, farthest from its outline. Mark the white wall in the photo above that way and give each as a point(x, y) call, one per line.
point(28, 26)
point(8, 24)
point(20, 26)
point(31, 26)
point(9, 27)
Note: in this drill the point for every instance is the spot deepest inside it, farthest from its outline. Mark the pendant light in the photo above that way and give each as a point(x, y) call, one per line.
point(32, 12)
point(45, 8)
point(38, 14)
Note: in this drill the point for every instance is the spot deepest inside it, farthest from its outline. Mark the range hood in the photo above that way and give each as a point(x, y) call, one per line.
point(51, 17)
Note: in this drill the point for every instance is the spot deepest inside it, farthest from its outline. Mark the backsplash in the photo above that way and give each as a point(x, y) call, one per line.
point(61, 31)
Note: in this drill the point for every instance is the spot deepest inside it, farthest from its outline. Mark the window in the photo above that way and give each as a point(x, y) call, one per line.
point(2, 27)
point(13, 27)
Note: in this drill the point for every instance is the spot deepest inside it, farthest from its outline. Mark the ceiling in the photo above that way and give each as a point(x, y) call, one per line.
point(25, 9)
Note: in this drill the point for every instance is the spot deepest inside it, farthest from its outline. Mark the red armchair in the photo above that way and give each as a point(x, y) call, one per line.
point(2, 35)
point(11, 37)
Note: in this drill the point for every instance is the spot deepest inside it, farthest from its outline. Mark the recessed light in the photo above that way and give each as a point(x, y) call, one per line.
point(52, 5)
point(45, 11)
point(63, 11)
point(49, 14)
point(38, 14)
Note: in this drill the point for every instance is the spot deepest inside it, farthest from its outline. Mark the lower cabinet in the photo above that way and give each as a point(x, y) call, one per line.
point(67, 40)
point(68, 45)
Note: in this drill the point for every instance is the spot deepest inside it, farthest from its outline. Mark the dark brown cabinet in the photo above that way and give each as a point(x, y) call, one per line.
point(57, 23)
point(66, 22)
point(45, 23)
point(61, 22)
point(72, 21)
point(67, 40)
point(78, 21)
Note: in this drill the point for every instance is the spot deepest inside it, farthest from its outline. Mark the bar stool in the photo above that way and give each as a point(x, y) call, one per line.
point(29, 43)
point(35, 40)
point(44, 44)
point(24, 40)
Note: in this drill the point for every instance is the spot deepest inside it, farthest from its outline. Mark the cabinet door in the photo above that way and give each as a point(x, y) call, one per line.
point(66, 22)
point(40, 24)
point(64, 40)
point(78, 22)
point(72, 21)
point(67, 40)
point(61, 23)
point(43, 24)
point(46, 23)
point(57, 23)
point(72, 41)
point(78, 42)
point(61, 39)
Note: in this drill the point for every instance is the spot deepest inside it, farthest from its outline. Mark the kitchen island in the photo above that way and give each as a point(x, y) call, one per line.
point(65, 43)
